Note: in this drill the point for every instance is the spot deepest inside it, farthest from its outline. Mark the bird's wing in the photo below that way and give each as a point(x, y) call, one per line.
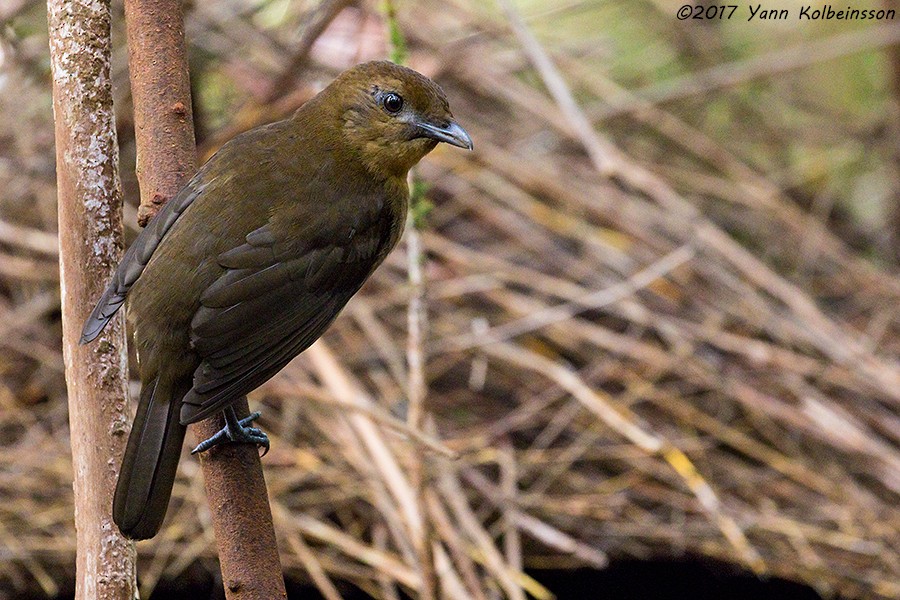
point(135, 259)
point(269, 305)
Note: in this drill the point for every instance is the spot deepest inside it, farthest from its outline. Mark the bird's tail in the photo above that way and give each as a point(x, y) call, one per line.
point(151, 459)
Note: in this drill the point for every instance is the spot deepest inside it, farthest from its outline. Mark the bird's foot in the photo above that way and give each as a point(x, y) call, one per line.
point(236, 432)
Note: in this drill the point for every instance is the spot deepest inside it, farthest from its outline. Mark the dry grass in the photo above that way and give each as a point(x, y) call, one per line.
point(647, 344)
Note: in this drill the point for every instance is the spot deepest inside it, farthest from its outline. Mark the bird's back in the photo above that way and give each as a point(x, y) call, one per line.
point(311, 196)
point(164, 298)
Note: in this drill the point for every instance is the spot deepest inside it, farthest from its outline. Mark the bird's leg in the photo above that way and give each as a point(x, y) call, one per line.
point(235, 431)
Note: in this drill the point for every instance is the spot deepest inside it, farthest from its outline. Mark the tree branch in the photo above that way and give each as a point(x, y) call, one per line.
point(90, 240)
point(242, 518)
point(161, 92)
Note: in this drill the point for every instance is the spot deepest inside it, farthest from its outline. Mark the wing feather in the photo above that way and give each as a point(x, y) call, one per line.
point(273, 300)
point(135, 259)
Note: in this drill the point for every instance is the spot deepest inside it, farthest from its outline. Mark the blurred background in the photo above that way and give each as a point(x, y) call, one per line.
point(661, 303)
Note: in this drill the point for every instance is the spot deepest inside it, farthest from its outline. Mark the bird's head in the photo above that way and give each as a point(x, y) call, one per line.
point(392, 116)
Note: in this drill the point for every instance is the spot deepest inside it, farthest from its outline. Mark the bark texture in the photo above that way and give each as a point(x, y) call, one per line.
point(161, 89)
point(90, 237)
point(242, 518)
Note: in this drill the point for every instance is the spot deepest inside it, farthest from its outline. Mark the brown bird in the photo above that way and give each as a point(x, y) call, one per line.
point(255, 257)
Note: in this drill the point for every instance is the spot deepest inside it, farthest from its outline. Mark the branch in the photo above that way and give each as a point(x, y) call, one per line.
point(416, 315)
point(242, 519)
point(281, 97)
point(318, 22)
point(90, 240)
point(161, 91)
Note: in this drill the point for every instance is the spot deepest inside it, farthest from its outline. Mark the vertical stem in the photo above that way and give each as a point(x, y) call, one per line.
point(235, 487)
point(509, 484)
point(415, 318)
point(241, 515)
point(396, 41)
point(417, 390)
point(161, 91)
point(90, 239)
point(415, 322)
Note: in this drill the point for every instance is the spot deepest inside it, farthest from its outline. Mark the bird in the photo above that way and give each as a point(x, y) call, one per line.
point(252, 260)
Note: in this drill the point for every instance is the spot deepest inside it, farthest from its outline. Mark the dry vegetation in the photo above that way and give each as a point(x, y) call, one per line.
point(659, 322)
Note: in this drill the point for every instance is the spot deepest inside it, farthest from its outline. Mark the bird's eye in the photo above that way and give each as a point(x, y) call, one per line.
point(392, 102)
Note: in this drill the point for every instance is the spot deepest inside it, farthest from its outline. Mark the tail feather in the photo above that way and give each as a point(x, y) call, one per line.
point(151, 459)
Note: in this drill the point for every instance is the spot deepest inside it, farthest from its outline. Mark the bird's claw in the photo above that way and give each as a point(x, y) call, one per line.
point(236, 432)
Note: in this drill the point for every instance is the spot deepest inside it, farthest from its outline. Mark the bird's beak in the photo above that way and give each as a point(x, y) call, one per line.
point(452, 134)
